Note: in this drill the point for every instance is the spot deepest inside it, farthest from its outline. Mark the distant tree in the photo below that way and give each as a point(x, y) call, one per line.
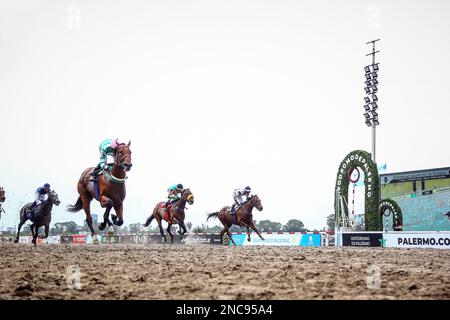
point(294, 225)
point(269, 226)
point(199, 229)
point(66, 227)
point(330, 222)
point(135, 227)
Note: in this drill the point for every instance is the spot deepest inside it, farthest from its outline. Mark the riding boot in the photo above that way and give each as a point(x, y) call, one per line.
point(232, 209)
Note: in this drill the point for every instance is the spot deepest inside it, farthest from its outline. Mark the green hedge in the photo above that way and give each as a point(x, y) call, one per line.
point(362, 160)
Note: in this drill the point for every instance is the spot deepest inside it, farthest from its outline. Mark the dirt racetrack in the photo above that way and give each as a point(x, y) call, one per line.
point(118, 271)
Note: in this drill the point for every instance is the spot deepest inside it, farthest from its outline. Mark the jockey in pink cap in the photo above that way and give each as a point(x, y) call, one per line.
point(107, 148)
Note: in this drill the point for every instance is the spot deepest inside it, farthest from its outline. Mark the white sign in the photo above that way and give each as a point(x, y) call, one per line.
point(417, 240)
point(274, 239)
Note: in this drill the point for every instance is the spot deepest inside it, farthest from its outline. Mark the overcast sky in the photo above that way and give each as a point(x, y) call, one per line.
point(217, 95)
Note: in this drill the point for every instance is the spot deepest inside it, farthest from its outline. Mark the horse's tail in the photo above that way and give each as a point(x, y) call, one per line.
point(212, 215)
point(149, 220)
point(76, 207)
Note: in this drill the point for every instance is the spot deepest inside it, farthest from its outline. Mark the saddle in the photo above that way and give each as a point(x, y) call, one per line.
point(166, 212)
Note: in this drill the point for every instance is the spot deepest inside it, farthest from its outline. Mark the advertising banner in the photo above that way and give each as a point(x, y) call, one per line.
point(25, 239)
point(362, 239)
point(278, 239)
point(202, 239)
point(417, 240)
point(79, 239)
point(52, 239)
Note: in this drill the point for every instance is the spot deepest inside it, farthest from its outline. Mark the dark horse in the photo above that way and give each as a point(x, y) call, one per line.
point(111, 190)
point(176, 214)
point(2, 199)
point(42, 216)
point(243, 217)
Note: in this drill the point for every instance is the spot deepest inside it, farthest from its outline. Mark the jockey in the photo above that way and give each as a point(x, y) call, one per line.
point(40, 196)
point(107, 148)
point(238, 197)
point(174, 193)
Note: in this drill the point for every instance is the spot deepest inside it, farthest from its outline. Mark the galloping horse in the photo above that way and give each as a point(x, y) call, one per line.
point(175, 215)
point(42, 216)
point(110, 191)
point(2, 199)
point(243, 217)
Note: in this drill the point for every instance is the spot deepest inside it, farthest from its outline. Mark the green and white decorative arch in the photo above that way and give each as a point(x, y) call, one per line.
point(389, 204)
point(362, 160)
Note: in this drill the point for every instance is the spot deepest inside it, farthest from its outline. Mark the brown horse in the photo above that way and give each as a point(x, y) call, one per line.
point(111, 189)
point(2, 199)
point(243, 217)
point(176, 214)
point(42, 216)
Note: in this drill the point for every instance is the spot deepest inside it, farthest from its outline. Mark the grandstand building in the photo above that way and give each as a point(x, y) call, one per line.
point(423, 196)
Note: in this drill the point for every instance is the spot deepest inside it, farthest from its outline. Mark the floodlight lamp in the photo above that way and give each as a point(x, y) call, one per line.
point(368, 83)
point(367, 116)
point(375, 67)
point(368, 76)
point(374, 98)
point(366, 99)
point(366, 107)
point(367, 90)
point(368, 123)
point(374, 113)
point(367, 69)
point(375, 122)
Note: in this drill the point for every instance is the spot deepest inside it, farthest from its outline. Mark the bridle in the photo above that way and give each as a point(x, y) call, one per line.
point(120, 162)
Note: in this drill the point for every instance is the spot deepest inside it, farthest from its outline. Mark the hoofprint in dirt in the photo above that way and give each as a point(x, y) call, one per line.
point(116, 271)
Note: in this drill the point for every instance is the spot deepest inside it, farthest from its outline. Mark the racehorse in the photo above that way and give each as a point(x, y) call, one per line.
point(42, 216)
point(175, 214)
point(2, 199)
point(243, 217)
point(110, 190)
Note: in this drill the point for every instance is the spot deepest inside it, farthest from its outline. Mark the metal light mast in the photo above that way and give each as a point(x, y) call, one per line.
point(371, 99)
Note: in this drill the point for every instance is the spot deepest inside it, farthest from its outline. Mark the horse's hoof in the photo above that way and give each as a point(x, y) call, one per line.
point(16, 241)
point(101, 226)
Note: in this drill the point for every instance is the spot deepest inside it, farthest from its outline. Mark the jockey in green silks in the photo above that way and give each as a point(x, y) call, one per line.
point(107, 148)
point(174, 193)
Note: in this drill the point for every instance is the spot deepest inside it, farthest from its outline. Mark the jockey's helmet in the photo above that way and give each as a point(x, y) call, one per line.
point(115, 143)
point(248, 189)
point(179, 186)
point(47, 186)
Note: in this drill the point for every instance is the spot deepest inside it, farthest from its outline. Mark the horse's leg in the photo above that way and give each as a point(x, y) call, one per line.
point(161, 230)
point(18, 230)
point(107, 203)
point(248, 233)
point(47, 228)
point(86, 200)
point(256, 230)
point(34, 232)
point(169, 227)
point(118, 217)
point(230, 236)
point(182, 226)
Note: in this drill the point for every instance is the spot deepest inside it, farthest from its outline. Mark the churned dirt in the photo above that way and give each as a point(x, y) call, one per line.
point(118, 271)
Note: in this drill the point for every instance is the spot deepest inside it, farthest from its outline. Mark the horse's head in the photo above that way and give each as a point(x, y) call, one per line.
point(53, 198)
point(256, 202)
point(2, 195)
point(123, 156)
point(188, 196)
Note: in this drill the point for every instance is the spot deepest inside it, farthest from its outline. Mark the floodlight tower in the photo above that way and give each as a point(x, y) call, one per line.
point(371, 89)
